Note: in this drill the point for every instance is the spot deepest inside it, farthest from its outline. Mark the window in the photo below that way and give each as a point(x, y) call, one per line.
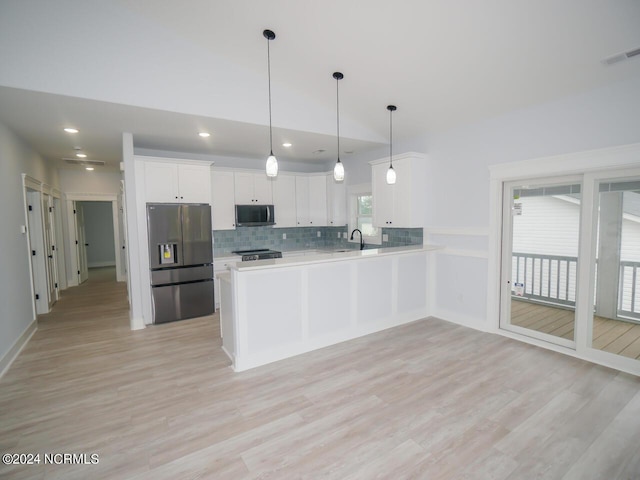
point(361, 214)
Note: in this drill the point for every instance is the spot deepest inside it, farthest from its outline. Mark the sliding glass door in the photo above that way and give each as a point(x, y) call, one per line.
point(615, 316)
point(541, 233)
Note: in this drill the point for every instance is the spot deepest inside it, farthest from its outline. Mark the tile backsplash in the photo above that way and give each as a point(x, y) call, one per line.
point(302, 238)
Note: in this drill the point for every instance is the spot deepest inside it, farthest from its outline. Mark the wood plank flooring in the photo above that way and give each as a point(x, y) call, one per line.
point(428, 400)
point(621, 338)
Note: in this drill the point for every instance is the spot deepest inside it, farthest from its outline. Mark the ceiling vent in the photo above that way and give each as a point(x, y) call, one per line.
point(620, 57)
point(84, 163)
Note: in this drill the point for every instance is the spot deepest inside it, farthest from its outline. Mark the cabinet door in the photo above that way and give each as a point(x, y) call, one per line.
point(284, 200)
point(336, 202)
point(222, 201)
point(318, 201)
point(302, 201)
point(403, 196)
point(382, 196)
point(161, 182)
point(194, 183)
point(243, 183)
point(262, 189)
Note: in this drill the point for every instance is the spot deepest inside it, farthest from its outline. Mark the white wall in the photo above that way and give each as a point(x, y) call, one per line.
point(16, 310)
point(83, 181)
point(98, 227)
point(459, 199)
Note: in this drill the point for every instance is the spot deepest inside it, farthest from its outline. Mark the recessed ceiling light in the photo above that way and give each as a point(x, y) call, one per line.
point(286, 145)
point(204, 134)
point(71, 130)
point(81, 155)
point(89, 168)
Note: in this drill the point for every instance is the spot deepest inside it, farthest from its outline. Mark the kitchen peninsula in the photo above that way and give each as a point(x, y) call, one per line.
point(275, 309)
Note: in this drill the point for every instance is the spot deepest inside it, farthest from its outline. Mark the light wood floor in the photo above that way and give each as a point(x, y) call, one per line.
point(621, 338)
point(429, 400)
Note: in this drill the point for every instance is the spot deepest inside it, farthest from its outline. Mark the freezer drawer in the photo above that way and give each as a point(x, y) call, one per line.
point(180, 275)
point(181, 301)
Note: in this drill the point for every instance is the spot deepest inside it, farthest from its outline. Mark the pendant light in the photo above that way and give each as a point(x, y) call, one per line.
point(338, 170)
point(391, 173)
point(272, 162)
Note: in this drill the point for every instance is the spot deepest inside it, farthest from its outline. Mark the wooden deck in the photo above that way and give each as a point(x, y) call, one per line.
point(622, 338)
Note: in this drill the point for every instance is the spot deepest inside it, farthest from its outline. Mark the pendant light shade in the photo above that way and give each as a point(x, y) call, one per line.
point(272, 161)
point(338, 170)
point(391, 173)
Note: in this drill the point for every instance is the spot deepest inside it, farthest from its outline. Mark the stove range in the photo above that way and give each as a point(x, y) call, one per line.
point(257, 254)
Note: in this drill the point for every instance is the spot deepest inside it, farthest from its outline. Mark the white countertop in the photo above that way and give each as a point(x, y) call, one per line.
point(330, 256)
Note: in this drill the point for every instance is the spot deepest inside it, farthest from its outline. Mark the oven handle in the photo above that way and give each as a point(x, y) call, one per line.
point(268, 213)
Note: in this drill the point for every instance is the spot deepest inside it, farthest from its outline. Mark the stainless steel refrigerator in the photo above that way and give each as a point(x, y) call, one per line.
point(181, 261)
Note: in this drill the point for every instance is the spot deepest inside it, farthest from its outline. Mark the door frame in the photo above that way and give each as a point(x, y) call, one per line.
point(93, 197)
point(590, 164)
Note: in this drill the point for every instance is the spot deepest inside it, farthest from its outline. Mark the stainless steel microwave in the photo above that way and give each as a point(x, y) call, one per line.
point(254, 215)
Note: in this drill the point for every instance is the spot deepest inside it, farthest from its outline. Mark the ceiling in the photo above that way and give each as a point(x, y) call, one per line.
point(165, 70)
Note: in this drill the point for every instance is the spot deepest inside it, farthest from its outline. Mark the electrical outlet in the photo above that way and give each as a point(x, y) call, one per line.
point(344, 235)
point(318, 234)
point(385, 237)
point(284, 236)
point(338, 234)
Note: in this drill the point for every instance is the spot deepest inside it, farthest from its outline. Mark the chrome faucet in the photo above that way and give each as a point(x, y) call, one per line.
point(361, 240)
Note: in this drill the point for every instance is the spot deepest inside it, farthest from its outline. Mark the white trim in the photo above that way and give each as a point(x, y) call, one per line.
point(7, 360)
point(475, 323)
point(172, 160)
point(108, 263)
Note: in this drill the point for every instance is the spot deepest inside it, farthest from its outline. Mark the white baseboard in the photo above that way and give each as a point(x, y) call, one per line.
point(14, 351)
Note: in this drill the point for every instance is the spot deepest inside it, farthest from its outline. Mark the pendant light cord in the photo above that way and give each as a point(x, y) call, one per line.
point(269, 70)
point(338, 114)
point(390, 138)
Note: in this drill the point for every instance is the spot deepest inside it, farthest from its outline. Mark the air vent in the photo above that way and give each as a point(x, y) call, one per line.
point(620, 57)
point(84, 163)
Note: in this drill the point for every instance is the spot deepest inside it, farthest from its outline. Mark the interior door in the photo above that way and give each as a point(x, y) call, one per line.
point(36, 244)
point(541, 233)
point(81, 245)
point(50, 248)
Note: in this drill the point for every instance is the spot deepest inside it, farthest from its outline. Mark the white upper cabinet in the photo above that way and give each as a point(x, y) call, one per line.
point(311, 201)
point(401, 205)
point(252, 188)
point(168, 182)
point(336, 202)
point(284, 200)
point(302, 201)
point(318, 201)
point(223, 212)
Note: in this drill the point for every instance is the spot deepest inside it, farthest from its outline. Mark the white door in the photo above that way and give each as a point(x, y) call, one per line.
point(243, 186)
point(541, 233)
point(37, 252)
point(81, 245)
point(223, 214)
point(50, 249)
point(302, 201)
point(284, 200)
point(318, 201)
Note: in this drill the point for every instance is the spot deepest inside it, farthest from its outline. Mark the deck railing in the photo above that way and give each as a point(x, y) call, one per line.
point(546, 278)
point(628, 300)
point(552, 279)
